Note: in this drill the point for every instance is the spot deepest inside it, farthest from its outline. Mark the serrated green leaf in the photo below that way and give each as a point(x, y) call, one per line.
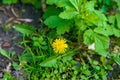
point(61, 25)
point(101, 44)
point(118, 3)
point(64, 3)
point(80, 24)
point(90, 18)
point(76, 4)
point(116, 32)
point(25, 29)
point(108, 31)
point(68, 14)
point(90, 6)
point(102, 20)
point(50, 11)
point(88, 37)
point(118, 20)
point(104, 31)
point(52, 21)
point(111, 19)
point(102, 40)
point(4, 53)
point(62, 29)
point(50, 62)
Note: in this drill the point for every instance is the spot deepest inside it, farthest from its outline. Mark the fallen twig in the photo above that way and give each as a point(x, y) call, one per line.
point(14, 13)
point(25, 20)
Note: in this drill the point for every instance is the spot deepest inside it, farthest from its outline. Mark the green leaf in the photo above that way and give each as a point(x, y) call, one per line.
point(118, 20)
point(104, 31)
point(37, 41)
point(117, 59)
point(28, 1)
point(108, 2)
point(118, 3)
point(76, 4)
point(62, 29)
point(51, 1)
point(111, 19)
point(116, 32)
point(26, 57)
point(35, 3)
point(9, 1)
point(104, 8)
point(7, 76)
point(50, 11)
point(4, 53)
point(90, 18)
point(80, 24)
point(90, 6)
point(50, 62)
point(88, 37)
point(64, 3)
point(108, 31)
point(25, 29)
point(102, 20)
point(101, 44)
point(52, 21)
point(67, 14)
point(68, 57)
point(15, 66)
point(61, 25)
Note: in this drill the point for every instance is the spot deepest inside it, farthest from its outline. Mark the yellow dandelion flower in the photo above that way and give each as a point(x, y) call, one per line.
point(59, 45)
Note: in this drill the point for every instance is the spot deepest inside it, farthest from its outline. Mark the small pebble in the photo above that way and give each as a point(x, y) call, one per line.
point(6, 44)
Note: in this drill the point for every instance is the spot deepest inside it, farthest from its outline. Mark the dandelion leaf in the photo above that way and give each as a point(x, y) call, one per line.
point(50, 62)
point(24, 28)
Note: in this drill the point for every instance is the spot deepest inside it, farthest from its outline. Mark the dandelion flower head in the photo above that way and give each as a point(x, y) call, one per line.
point(59, 45)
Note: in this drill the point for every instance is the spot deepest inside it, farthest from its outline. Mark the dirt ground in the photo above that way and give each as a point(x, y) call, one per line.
point(9, 38)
